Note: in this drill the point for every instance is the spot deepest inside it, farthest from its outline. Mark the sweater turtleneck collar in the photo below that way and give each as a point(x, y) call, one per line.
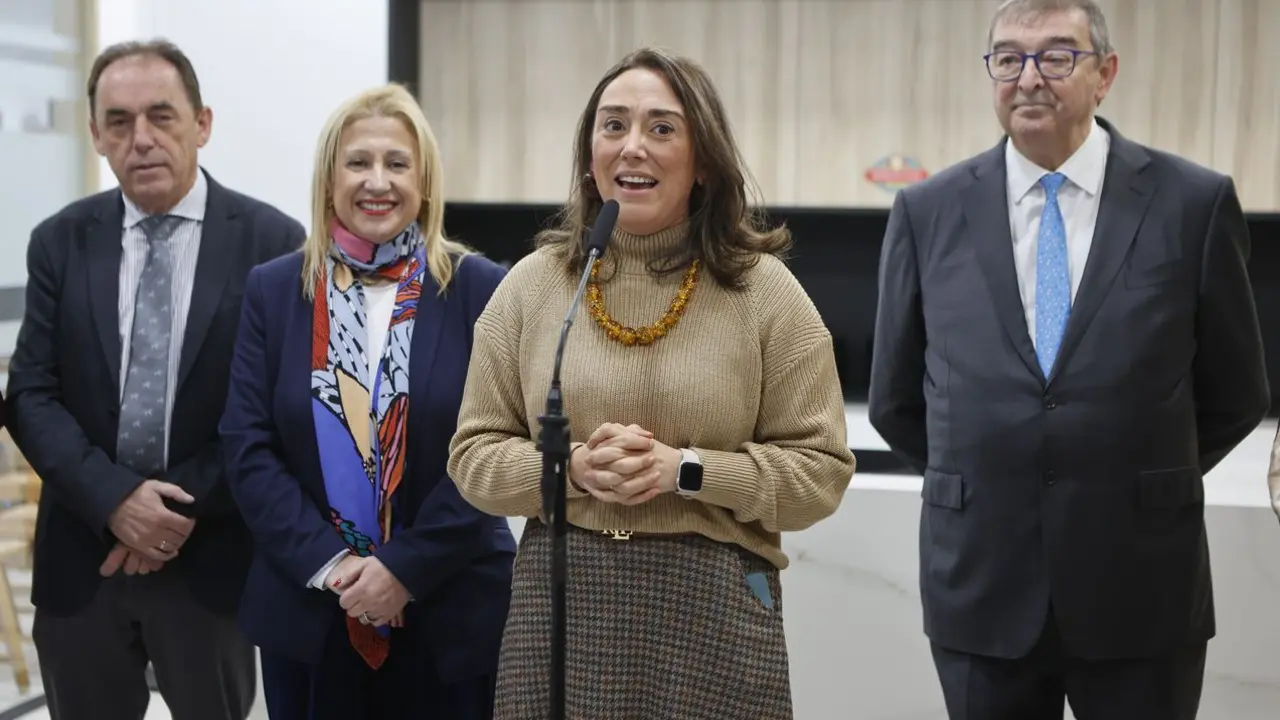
point(633, 253)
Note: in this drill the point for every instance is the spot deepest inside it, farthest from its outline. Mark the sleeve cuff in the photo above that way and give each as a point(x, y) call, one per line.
point(729, 479)
point(320, 580)
point(109, 493)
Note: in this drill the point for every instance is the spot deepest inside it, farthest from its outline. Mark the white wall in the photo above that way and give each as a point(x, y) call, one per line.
point(271, 70)
point(41, 152)
point(31, 83)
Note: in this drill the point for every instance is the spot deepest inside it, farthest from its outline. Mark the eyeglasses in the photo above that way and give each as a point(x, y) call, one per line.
point(1007, 65)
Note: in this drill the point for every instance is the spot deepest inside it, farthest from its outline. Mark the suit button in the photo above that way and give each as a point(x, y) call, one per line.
point(1049, 402)
point(1049, 479)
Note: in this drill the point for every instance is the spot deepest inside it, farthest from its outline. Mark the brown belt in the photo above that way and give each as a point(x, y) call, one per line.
point(620, 534)
point(628, 534)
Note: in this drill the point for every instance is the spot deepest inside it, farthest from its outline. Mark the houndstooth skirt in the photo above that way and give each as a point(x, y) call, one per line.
point(659, 628)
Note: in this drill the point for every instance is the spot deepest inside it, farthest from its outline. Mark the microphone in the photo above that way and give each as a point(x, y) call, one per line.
point(553, 442)
point(602, 231)
point(597, 243)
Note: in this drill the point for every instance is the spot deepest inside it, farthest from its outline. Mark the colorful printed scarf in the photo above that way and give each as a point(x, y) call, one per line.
point(360, 421)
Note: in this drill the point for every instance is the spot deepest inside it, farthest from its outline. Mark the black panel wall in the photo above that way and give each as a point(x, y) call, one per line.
point(835, 257)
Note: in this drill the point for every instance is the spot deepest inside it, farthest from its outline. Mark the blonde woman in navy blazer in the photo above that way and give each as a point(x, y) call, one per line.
point(375, 590)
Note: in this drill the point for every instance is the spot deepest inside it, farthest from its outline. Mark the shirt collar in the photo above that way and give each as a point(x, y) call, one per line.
point(1084, 169)
point(191, 207)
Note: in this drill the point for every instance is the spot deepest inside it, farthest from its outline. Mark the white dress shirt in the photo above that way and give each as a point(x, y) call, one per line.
point(184, 245)
point(1077, 199)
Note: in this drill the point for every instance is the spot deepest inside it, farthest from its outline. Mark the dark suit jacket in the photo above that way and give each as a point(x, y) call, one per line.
point(454, 560)
point(1083, 489)
point(64, 393)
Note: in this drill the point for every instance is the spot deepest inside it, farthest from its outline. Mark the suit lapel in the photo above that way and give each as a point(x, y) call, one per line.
point(219, 239)
point(295, 378)
point(427, 326)
point(1126, 195)
point(104, 250)
point(986, 214)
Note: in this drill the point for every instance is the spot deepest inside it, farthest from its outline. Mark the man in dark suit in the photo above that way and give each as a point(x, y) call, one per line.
point(116, 388)
point(1066, 342)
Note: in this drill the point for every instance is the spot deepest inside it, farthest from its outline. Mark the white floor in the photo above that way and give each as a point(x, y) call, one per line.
point(853, 613)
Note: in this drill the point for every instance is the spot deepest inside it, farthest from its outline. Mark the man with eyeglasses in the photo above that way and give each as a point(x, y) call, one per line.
point(1066, 343)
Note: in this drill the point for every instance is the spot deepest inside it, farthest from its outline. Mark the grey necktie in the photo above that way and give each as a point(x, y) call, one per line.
point(140, 444)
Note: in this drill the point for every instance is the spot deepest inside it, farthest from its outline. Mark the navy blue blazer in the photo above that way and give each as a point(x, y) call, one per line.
point(454, 560)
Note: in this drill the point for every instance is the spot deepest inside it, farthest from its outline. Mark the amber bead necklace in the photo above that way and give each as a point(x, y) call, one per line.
point(649, 333)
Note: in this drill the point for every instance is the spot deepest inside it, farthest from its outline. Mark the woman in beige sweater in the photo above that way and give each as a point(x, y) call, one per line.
point(703, 352)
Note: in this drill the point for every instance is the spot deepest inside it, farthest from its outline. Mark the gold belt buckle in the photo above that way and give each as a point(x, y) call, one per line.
point(618, 534)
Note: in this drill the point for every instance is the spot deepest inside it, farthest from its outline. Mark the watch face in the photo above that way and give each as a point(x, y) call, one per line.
point(690, 478)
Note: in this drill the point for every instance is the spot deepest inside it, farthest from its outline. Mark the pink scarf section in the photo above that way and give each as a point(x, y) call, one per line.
point(356, 247)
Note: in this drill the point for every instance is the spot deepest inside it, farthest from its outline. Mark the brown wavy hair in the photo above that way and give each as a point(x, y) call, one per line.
point(727, 232)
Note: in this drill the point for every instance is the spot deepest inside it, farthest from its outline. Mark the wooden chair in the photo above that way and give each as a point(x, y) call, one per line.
point(19, 494)
point(10, 630)
point(19, 491)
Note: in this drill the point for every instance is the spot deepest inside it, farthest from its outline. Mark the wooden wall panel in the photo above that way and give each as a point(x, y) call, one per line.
point(1247, 100)
point(1163, 94)
point(882, 79)
point(820, 90)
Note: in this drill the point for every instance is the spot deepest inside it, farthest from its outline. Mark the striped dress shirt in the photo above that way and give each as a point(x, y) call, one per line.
point(185, 244)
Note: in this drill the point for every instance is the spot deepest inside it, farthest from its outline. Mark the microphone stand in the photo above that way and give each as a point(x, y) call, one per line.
point(553, 441)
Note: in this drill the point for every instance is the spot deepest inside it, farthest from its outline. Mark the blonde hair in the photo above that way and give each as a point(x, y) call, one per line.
point(391, 101)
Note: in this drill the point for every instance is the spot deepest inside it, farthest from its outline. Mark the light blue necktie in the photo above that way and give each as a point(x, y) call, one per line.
point(1053, 279)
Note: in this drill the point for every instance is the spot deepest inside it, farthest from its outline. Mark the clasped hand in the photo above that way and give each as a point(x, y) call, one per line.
point(149, 533)
point(624, 464)
point(368, 591)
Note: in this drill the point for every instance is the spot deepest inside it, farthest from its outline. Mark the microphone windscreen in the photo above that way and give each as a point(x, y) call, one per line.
point(602, 231)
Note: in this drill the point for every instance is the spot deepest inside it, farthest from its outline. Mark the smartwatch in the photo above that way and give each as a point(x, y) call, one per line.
point(689, 476)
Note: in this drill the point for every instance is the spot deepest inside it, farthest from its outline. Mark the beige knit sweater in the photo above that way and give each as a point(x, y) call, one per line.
point(747, 380)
